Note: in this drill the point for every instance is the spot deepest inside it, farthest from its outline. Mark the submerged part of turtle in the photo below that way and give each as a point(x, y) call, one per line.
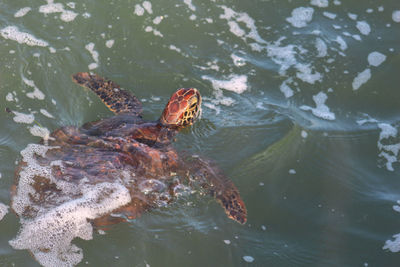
point(109, 171)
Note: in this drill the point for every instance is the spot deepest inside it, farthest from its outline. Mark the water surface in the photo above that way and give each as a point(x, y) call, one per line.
point(301, 111)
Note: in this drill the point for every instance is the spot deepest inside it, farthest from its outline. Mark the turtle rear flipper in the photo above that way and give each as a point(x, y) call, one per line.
point(115, 98)
point(221, 188)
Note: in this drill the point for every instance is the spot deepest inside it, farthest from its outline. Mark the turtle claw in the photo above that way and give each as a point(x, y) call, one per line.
point(234, 206)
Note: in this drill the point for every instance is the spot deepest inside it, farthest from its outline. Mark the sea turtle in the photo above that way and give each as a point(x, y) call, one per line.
point(128, 148)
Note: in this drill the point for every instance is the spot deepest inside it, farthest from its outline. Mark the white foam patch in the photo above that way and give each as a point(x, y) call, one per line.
point(68, 15)
point(301, 16)
point(304, 134)
point(341, 42)
point(51, 227)
point(238, 61)
point(322, 48)
point(36, 92)
point(248, 259)
point(40, 132)
point(154, 31)
point(22, 12)
point(174, 48)
point(352, 16)
point(321, 110)
point(139, 11)
point(285, 89)
point(361, 79)
point(320, 3)
point(282, 55)
point(13, 33)
point(51, 7)
point(396, 16)
point(10, 97)
point(234, 18)
point(329, 15)
point(389, 149)
point(46, 113)
point(110, 43)
point(157, 20)
point(190, 5)
point(375, 58)
point(23, 118)
point(3, 210)
point(394, 245)
point(305, 73)
point(235, 83)
point(95, 55)
point(147, 6)
point(363, 27)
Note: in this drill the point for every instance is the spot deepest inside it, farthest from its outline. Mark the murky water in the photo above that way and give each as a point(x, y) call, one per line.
point(301, 110)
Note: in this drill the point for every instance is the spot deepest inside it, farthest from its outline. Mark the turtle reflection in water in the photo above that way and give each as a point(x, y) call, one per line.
point(137, 152)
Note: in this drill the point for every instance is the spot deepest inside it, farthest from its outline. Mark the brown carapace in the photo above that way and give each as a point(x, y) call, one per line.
point(125, 145)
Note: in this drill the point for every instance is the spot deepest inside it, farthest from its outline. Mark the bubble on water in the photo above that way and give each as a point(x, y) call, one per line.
point(46, 113)
point(234, 19)
point(23, 118)
point(263, 227)
point(109, 43)
point(306, 74)
point(292, 171)
point(36, 92)
point(361, 78)
point(321, 110)
point(157, 20)
point(94, 54)
point(3, 210)
point(22, 12)
point(304, 134)
point(47, 229)
point(40, 132)
point(13, 33)
point(235, 83)
point(394, 245)
point(329, 15)
point(139, 11)
point(147, 6)
point(190, 5)
point(248, 259)
point(320, 3)
point(341, 42)
point(376, 58)
point(389, 151)
point(227, 242)
point(363, 27)
point(51, 7)
point(238, 61)
point(396, 16)
point(285, 89)
point(352, 16)
point(301, 16)
point(68, 15)
point(322, 48)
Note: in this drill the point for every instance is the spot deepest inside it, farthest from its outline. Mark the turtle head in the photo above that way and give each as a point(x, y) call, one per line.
point(183, 108)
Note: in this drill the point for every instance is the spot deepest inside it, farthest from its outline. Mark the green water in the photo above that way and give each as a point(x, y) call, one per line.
point(301, 114)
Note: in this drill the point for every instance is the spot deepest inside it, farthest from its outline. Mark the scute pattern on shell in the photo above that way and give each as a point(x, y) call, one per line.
point(183, 108)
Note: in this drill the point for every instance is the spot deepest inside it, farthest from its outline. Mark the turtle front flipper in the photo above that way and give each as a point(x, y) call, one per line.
point(221, 188)
point(115, 98)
